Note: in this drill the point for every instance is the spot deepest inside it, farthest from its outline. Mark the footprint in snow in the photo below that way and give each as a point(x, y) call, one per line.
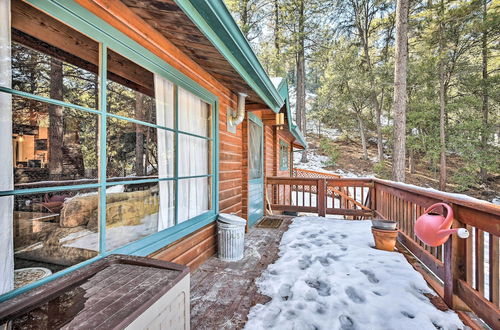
point(318, 243)
point(370, 275)
point(300, 245)
point(312, 236)
point(290, 315)
point(408, 315)
point(334, 257)
point(322, 287)
point(301, 306)
point(285, 291)
point(343, 236)
point(305, 262)
point(323, 261)
point(346, 323)
point(354, 295)
point(321, 309)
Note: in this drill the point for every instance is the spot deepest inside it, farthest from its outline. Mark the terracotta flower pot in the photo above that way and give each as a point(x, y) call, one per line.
point(384, 239)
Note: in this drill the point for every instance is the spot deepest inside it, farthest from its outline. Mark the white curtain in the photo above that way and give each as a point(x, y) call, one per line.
point(164, 97)
point(6, 166)
point(194, 156)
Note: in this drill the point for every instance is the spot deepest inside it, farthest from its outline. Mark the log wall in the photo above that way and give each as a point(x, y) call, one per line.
point(197, 247)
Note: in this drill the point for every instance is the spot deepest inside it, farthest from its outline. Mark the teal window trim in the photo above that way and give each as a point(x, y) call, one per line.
point(284, 155)
point(108, 37)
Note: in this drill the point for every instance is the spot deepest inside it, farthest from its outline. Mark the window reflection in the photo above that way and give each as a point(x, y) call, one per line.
point(52, 143)
point(51, 59)
point(47, 231)
point(137, 210)
point(132, 150)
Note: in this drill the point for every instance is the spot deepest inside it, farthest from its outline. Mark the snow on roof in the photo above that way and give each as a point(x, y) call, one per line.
point(276, 81)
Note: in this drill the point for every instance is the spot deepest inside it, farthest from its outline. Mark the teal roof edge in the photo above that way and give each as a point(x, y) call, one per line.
point(215, 21)
point(292, 127)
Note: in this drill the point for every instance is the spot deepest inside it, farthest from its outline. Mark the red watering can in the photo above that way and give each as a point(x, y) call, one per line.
point(434, 229)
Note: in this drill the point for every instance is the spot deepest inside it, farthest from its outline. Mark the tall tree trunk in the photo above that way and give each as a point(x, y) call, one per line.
point(362, 134)
point(485, 106)
point(400, 94)
point(363, 23)
point(301, 77)
point(276, 15)
point(244, 18)
point(442, 103)
point(380, 147)
point(56, 128)
point(139, 135)
point(412, 162)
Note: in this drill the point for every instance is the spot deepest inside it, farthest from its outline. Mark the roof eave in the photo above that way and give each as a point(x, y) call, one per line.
point(215, 21)
point(294, 129)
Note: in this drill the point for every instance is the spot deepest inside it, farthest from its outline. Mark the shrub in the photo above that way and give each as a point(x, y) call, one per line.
point(330, 150)
point(382, 170)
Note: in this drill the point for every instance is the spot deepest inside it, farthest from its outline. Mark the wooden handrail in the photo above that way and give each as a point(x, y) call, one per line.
point(444, 197)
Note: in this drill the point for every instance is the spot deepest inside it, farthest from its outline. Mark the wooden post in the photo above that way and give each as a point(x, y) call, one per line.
point(373, 198)
point(448, 273)
point(455, 258)
point(321, 187)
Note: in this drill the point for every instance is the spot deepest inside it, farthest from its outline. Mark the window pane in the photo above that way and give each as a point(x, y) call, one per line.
point(137, 210)
point(51, 59)
point(255, 151)
point(195, 197)
point(52, 143)
point(194, 156)
point(49, 230)
point(132, 89)
point(283, 156)
point(194, 114)
point(133, 150)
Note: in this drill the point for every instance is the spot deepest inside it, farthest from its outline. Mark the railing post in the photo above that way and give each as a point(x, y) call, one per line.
point(373, 198)
point(448, 273)
point(321, 187)
point(455, 250)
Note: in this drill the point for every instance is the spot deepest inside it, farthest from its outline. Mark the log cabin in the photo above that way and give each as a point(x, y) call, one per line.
point(127, 126)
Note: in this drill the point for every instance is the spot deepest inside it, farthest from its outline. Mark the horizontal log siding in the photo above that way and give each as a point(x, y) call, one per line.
point(197, 247)
point(192, 250)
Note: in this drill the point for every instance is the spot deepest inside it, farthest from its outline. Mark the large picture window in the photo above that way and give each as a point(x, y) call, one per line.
point(104, 150)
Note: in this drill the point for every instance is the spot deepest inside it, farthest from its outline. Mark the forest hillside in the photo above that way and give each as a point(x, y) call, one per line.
point(339, 56)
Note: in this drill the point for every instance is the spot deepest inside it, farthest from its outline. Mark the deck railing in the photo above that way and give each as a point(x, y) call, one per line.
point(348, 197)
point(468, 269)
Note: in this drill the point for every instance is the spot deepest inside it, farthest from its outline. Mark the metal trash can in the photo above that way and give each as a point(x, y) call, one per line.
point(231, 237)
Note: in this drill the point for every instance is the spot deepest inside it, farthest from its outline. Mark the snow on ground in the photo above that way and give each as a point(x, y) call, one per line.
point(328, 276)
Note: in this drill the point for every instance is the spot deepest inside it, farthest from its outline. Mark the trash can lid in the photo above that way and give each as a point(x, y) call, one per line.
point(232, 219)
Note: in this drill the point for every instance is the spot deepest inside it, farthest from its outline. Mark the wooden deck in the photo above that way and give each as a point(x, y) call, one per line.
point(469, 269)
point(222, 293)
